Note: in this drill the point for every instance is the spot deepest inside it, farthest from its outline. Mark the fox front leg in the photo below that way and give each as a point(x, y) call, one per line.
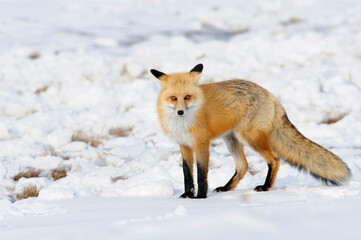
point(187, 155)
point(202, 156)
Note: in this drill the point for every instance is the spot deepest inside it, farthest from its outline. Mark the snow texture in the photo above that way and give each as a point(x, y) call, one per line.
point(76, 96)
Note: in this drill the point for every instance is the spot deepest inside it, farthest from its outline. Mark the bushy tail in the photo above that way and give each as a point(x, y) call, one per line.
point(306, 155)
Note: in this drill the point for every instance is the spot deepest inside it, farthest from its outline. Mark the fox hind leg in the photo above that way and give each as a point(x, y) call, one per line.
point(258, 141)
point(235, 147)
point(273, 163)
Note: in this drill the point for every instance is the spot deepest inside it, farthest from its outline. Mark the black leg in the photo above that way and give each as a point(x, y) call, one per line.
point(226, 187)
point(267, 183)
point(188, 182)
point(202, 181)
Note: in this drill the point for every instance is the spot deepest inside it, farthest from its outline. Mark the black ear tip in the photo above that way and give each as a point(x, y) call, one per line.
point(198, 68)
point(156, 73)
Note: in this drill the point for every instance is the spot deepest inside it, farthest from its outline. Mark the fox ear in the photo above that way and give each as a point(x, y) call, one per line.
point(196, 72)
point(157, 74)
point(197, 69)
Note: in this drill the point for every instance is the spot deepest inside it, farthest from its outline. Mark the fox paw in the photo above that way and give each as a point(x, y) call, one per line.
point(201, 196)
point(221, 189)
point(187, 195)
point(262, 188)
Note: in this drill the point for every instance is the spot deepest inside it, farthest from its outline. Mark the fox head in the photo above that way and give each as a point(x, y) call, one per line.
point(180, 94)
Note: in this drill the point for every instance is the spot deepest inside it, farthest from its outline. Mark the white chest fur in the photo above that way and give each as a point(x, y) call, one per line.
point(178, 126)
point(178, 131)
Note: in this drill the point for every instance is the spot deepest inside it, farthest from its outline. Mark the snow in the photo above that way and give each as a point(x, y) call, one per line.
point(76, 94)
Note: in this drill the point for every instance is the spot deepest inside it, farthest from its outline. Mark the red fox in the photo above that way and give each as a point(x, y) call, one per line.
point(241, 112)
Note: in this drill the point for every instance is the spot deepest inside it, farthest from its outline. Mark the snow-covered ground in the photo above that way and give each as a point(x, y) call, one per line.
point(76, 96)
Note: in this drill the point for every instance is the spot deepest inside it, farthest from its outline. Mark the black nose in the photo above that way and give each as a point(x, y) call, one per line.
point(180, 112)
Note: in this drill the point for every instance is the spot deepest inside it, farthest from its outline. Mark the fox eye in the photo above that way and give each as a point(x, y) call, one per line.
point(173, 98)
point(187, 97)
